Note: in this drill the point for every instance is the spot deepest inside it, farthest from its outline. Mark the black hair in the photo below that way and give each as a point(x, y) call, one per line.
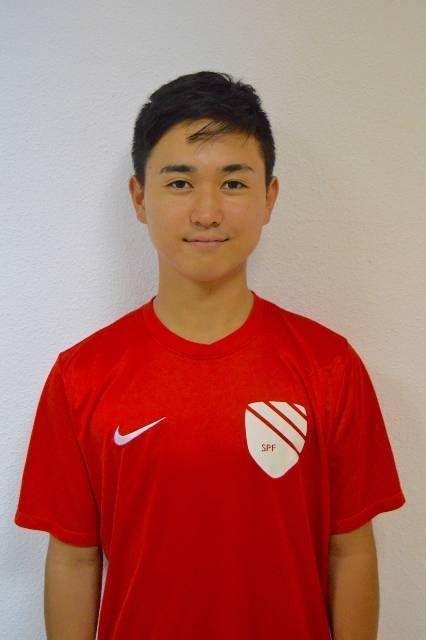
point(233, 106)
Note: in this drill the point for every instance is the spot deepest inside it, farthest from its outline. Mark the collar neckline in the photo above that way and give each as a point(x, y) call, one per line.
point(229, 343)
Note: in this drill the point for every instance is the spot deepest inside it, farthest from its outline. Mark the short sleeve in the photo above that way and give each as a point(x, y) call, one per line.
point(364, 479)
point(56, 494)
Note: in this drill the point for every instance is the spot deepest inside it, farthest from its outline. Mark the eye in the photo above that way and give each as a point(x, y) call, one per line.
point(235, 182)
point(243, 186)
point(176, 181)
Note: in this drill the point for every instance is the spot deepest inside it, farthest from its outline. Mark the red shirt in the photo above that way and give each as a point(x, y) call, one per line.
point(212, 475)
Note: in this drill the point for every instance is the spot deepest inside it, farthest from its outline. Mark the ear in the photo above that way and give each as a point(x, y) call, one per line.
point(136, 191)
point(271, 197)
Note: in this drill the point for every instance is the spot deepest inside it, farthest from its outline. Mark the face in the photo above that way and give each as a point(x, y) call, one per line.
point(204, 200)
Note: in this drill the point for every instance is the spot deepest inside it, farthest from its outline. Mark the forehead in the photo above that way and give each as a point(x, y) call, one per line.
point(175, 147)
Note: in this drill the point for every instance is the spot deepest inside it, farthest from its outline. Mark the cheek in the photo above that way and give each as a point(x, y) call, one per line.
point(249, 232)
point(245, 210)
point(247, 220)
point(161, 223)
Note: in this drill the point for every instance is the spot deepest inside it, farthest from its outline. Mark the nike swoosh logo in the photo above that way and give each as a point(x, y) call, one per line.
point(120, 439)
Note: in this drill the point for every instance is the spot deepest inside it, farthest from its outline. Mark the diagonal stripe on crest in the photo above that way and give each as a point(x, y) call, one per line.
point(280, 423)
point(286, 409)
point(300, 407)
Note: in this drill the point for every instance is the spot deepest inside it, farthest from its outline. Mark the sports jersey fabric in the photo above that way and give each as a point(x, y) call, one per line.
point(212, 475)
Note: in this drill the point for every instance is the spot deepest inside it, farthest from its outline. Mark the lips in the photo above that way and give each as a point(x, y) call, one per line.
point(210, 240)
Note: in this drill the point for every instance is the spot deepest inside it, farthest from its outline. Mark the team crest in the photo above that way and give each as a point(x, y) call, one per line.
point(275, 433)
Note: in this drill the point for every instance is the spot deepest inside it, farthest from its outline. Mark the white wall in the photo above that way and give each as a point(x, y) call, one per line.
point(344, 85)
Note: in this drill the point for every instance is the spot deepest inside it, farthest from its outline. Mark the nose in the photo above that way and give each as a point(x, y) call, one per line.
point(206, 208)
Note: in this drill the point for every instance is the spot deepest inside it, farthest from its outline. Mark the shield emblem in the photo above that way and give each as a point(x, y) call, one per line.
point(275, 433)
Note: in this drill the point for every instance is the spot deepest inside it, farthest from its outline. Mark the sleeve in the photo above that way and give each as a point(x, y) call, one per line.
point(56, 494)
point(363, 475)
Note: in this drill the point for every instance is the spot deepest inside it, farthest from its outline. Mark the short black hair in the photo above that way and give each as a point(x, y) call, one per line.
point(233, 106)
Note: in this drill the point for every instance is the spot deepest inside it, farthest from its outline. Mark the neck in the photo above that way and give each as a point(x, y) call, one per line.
point(203, 314)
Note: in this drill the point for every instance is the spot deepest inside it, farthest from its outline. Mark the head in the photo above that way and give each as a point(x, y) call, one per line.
point(188, 139)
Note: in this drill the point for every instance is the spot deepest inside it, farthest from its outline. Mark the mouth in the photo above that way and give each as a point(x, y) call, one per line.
point(207, 241)
point(206, 244)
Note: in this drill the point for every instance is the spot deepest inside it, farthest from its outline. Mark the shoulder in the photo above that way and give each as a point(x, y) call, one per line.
point(304, 337)
point(96, 354)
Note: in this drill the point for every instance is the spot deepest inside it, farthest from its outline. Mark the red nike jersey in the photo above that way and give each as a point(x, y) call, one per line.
point(212, 475)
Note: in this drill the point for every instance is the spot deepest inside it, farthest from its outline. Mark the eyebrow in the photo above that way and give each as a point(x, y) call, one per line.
point(187, 168)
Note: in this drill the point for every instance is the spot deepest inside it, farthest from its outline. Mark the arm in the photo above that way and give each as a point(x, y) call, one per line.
point(73, 583)
point(354, 597)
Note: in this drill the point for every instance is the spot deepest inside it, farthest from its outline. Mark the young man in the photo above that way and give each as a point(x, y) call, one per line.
point(227, 455)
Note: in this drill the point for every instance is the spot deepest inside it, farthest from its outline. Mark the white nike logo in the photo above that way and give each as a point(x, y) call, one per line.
point(120, 439)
